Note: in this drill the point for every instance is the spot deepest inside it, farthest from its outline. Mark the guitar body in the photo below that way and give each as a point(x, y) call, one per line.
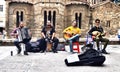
point(97, 34)
point(68, 34)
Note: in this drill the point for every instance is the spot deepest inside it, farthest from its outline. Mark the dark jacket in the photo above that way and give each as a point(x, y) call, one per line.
point(99, 29)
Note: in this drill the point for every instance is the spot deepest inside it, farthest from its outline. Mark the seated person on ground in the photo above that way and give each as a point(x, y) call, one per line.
point(22, 35)
point(97, 34)
point(48, 36)
point(72, 34)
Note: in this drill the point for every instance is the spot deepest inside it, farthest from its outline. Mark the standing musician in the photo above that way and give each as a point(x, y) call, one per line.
point(72, 34)
point(97, 35)
point(48, 35)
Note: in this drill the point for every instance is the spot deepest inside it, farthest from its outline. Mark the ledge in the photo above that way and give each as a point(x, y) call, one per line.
point(61, 40)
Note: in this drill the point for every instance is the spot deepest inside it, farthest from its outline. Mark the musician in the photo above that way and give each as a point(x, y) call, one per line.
point(97, 34)
point(48, 35)
point(22, 35)
point(72, 34)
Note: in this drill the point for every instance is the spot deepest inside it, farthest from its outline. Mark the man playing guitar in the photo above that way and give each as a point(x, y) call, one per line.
point(97, 34)
point(72, 34)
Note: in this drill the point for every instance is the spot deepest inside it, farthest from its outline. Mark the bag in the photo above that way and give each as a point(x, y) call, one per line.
point(89, 57)
point(61, 47)
point(33, 47)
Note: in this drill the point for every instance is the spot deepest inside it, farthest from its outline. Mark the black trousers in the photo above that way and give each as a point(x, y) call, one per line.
point(25, 41)
point(43, 43)
point(102, 40)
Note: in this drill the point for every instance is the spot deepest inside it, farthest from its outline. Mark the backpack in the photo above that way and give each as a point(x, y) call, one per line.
point(89, 57)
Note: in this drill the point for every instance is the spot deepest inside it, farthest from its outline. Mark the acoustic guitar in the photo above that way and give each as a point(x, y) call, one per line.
point(96, 34)
point(68, 34)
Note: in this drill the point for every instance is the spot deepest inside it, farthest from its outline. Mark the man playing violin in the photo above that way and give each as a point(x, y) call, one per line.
point(97, 35)
point(72, 34)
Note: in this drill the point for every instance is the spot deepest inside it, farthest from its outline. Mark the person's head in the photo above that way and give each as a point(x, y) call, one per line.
point(97, 22)
point(74, 23)
point(21, 24)
point(49, 24)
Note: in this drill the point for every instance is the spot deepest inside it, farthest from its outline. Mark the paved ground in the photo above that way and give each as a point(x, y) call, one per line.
point(50, 62)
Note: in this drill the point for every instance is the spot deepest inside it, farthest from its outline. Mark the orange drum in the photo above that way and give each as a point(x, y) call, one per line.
point(49, 46)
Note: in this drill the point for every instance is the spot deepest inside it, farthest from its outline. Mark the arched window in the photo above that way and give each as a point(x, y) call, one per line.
point(49, 16)
point(78, 19)
point(17, 19)
point(54, 18)
point(21, 17)
point(45, 18)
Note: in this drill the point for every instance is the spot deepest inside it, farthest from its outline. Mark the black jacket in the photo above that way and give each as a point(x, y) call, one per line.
point(99, 29)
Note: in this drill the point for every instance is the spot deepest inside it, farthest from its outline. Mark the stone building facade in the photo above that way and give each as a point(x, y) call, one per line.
point(109, 13)
point(35, 13)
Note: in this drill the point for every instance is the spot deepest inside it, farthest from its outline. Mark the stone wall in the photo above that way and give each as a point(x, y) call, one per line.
point(108, 12)
point(65, 14)
point(84, 10)
point(27, 10)
point(39, 16)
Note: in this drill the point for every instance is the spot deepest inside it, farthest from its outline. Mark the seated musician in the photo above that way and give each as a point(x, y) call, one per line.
point(72, 34)
point(97, 34)
point(48, 35)
point(22, 35)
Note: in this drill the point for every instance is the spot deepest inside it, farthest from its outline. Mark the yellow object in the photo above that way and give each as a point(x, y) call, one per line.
point(71, 31)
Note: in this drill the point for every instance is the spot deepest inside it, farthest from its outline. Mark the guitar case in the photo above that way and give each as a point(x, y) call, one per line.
point(89, 57)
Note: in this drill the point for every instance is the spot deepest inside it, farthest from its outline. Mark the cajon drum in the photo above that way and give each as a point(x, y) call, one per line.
point(49, 46)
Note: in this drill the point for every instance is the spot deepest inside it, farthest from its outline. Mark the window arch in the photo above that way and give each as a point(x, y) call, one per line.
point(78, 18)
point(45, 18)
point(51, 16)
point(54, 18)
point(19, 17)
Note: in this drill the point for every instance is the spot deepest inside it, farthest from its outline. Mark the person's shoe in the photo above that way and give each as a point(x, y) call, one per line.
point(25, 53)
point(104, 52)
point(42, 51)
point(55, 51)
point(19, 51)
point(98, 49)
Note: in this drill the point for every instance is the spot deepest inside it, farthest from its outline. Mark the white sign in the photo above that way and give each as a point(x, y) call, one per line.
point(73, 58)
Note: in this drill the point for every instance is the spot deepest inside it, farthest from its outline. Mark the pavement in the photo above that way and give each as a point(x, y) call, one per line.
point(53, 62)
